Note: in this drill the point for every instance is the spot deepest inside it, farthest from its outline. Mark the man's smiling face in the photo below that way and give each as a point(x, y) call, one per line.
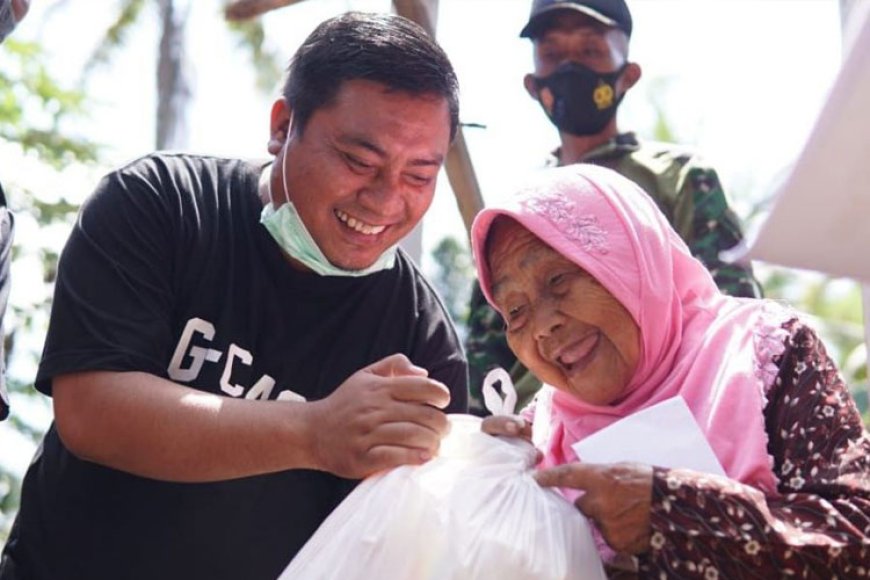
point(363, 172)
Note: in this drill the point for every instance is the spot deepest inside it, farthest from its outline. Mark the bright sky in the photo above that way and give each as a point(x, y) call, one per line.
point(740, 80)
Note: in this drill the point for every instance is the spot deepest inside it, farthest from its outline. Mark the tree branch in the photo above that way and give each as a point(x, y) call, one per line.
point(247, 9)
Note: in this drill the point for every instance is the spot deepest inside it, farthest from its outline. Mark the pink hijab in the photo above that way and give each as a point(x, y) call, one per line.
point(713, 350)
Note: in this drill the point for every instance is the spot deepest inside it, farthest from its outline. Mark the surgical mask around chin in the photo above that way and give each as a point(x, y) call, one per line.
point(7, 19)
point(578, 100)
point(287, 229)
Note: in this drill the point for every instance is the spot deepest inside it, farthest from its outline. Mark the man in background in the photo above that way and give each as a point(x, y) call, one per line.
point(11, 13)
point(581, 74)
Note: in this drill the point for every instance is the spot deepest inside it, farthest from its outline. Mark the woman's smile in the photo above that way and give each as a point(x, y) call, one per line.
point(576, 356)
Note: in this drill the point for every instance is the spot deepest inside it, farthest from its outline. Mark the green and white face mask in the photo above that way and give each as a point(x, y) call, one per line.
point(288, 230)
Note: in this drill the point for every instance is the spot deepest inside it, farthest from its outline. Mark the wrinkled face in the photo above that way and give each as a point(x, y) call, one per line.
point(561, 323)
point(363, 172)
point(576, 37)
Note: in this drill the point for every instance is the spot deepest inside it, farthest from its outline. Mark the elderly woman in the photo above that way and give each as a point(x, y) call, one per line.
point(604, 303)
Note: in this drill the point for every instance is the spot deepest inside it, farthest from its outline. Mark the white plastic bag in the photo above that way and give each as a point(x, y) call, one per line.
point(472, 512)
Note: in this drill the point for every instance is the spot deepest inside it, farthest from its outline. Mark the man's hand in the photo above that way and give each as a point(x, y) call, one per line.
point(617, 498)
point(382, 416)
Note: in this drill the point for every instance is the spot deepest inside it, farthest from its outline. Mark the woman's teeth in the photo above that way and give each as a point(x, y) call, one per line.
point(358, 225)
point(579, 351)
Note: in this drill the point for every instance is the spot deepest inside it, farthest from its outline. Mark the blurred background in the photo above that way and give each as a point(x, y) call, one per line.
point(84, 84)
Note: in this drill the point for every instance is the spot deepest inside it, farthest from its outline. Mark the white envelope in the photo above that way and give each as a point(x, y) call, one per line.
point(665, 435)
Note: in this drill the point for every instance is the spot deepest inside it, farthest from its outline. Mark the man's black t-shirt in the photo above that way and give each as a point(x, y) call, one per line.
point(168, 271)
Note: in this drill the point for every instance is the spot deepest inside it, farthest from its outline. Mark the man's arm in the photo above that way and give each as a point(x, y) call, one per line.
point(709, 226)
point(382, 416)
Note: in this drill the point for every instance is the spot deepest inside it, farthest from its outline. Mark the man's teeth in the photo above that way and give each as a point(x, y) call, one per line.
point(359, 226)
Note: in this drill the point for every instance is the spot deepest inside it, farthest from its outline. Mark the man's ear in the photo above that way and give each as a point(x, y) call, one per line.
point(630, 77)
point(279, 125)
point(19, 9)
point(531, 85)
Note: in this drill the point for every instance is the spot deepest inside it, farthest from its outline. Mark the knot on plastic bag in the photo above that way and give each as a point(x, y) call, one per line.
point(466, 442)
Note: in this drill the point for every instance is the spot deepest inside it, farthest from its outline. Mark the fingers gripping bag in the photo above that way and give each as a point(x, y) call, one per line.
point(474, 511)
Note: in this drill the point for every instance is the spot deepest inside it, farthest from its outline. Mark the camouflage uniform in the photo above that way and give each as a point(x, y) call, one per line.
point(691, 197)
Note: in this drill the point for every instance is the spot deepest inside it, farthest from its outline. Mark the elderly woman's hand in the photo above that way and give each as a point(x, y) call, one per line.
point(617, 498)
point(508, 426)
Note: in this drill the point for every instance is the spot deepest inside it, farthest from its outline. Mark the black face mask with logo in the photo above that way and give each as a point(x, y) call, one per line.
point(577, 99)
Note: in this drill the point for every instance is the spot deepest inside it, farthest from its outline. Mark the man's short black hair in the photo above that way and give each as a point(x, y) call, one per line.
point(384, 48)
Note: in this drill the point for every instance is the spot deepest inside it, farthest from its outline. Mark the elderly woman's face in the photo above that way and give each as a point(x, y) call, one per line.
point(561, 323)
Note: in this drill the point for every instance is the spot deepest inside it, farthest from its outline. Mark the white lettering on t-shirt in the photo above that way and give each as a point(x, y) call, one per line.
point(199, 355)
point(245, 357)
point(263, 388)
point(289, 395)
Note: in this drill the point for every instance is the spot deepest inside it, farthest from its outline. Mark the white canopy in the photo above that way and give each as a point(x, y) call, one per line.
point(819, 220)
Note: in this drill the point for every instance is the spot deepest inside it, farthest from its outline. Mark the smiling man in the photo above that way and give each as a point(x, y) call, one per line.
point(234, 344)
point(362, 173)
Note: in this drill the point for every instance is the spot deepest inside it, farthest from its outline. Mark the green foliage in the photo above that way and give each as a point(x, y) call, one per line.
point(116, 35)
point(174, 96)
point(33, 107)
point(34, 110)
point(452, 278)
point(251, 36)
point(662, 130)
point(10, 496)
point(835, 309)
